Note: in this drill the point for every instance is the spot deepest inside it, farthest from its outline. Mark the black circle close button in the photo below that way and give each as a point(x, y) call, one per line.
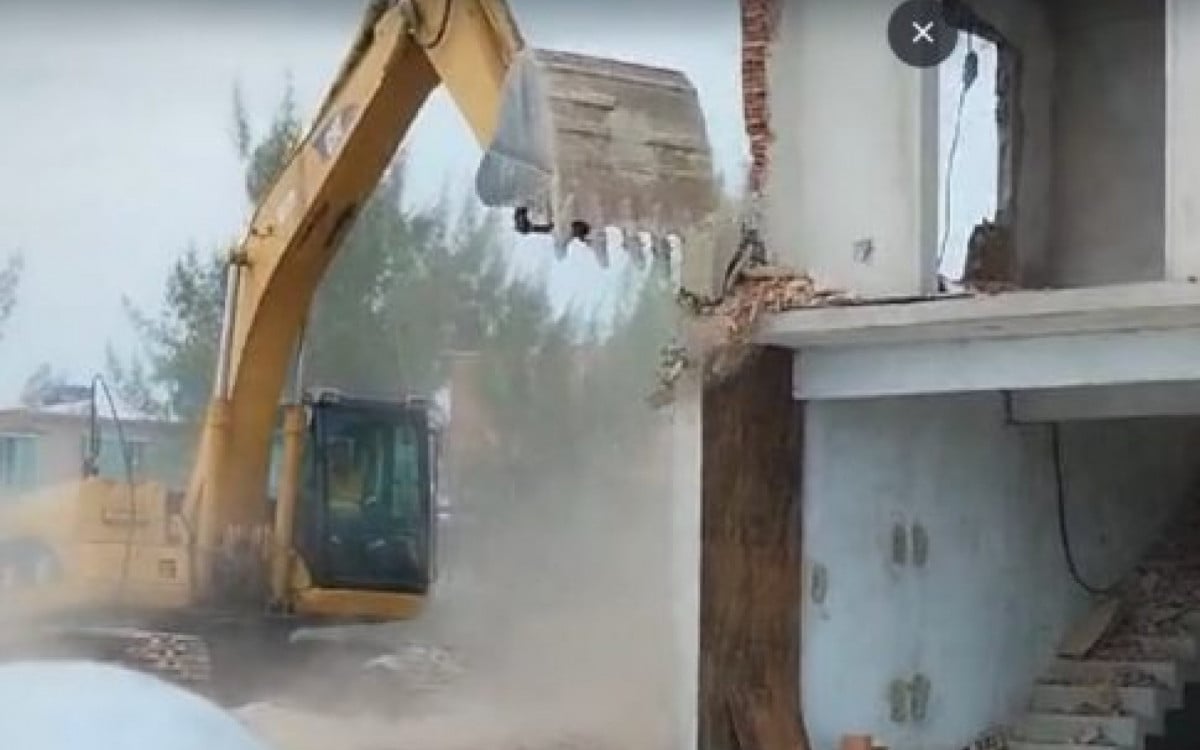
point(919, 34)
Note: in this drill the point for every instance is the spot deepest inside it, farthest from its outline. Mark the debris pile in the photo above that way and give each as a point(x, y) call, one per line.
point(718, 335)
point(355, 682)
point(770, 289)
point(1159, 598)
point(422, 667)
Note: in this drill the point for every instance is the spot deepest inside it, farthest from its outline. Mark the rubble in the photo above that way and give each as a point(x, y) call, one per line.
point(1158, 597)
point(718, 335)
point(1099, 709)
point(426, 668)
point(769, 289)
point(717, 339)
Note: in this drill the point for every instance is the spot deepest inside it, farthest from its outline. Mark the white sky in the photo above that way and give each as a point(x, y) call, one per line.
point(117, 153)
point(116, 150)
point(973, 178)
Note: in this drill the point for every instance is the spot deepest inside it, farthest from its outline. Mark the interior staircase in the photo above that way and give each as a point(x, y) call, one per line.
point(1132, 681)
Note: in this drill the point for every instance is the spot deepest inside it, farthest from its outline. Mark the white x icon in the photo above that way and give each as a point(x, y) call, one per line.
point(923, 34)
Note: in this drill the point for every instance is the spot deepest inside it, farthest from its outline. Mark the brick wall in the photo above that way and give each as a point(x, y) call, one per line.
point(760, 18)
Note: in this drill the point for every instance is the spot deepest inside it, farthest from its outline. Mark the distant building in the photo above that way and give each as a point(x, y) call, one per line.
point(46, 443)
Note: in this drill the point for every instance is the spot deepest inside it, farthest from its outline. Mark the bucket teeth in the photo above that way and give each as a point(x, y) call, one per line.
point(670, 249)
point(661, 247)
point(643, 243)
point(566, 211)
point(632, 242)
point(602, 142)
point(599, 244)
point(562, 241)
point(625, 212)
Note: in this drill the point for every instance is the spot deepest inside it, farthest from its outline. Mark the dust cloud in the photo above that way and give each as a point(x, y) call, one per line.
point(554, 607)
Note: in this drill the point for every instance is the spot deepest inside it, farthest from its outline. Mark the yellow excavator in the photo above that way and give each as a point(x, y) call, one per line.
point(579, 148)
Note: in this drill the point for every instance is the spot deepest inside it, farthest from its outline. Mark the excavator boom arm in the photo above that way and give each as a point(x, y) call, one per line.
point(404, 50)
point(293, 236)
point(577, 146)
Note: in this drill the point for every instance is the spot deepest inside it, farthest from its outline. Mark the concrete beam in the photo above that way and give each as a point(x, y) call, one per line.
point(998, 364)
point(1107, 402)
point(1125, 307)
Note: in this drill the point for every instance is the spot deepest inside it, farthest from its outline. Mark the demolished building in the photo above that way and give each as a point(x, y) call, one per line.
point(903, 513)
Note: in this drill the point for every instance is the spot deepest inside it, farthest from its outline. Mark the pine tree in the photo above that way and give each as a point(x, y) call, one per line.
point(407, 286)
point(10, 278)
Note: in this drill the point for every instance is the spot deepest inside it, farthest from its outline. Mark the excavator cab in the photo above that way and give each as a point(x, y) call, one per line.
point(366, 518)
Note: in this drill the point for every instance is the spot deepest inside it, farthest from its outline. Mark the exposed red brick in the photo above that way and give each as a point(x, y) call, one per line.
point(760, 19)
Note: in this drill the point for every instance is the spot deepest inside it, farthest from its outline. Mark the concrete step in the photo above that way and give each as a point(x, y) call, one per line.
point(1146, 703)
point(1149, 647)
point(1122, 673)
point(1171, 560)
point(1125, 731)
point(1171, 621)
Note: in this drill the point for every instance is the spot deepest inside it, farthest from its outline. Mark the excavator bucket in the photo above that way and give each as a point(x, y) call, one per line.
point(586, 145)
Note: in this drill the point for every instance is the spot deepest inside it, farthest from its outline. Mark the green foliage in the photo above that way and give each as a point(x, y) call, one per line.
point(266, 158)
point(133, 385)
point(43, 385)
point(360, 339)
point(180, 343)
point(10, 278)
point(407, 286)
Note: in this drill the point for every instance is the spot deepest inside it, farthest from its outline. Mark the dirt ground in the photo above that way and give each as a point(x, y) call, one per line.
point(591, 678)
point(462, 727)
point(555, 699)
point(550, 629)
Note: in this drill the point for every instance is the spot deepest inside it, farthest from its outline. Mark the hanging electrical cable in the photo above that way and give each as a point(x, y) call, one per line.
point(1064, 536)
point(92, 464)
point(970, 73)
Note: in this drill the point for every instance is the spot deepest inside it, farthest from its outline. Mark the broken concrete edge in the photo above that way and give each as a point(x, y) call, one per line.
point(717, 334)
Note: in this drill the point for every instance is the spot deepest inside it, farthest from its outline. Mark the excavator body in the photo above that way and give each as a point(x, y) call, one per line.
point(101, 567)
point(337, 522)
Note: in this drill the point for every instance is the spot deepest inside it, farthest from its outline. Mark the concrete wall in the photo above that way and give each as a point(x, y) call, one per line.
point(1109, 142)
point(1183, 149)
point(1088, 163)
point(855, 152)
point(982, 616)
